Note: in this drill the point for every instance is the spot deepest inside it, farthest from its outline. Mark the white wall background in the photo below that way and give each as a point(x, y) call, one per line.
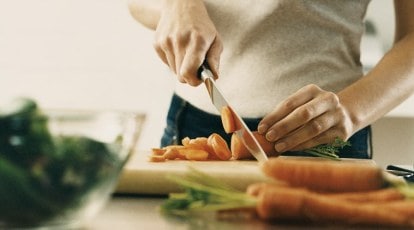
point(91, 54)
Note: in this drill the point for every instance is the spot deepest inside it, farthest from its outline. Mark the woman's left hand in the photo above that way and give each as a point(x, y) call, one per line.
point(309, 117)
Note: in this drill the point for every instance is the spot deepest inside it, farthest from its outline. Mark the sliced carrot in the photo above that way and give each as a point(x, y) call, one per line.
point(185, 141)
point(157, 151)
point(156, 158)
point(194, 154)
point(239, 150)
point(219, 146)
point(227, 119)
point(171, 154)
point(325, 175)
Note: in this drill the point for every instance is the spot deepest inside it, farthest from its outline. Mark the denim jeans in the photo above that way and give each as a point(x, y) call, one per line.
point(185, 120)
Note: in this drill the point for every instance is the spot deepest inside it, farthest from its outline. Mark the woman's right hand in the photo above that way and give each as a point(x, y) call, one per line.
point(184, 37)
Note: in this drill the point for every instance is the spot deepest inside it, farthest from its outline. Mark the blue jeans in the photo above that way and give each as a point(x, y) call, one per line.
point(185, 120)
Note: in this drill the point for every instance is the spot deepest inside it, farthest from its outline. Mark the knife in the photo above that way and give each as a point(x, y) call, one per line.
point(219, 102)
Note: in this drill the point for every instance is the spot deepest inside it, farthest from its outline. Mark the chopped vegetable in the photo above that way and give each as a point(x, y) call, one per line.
point(227, 118)
point(219, 146)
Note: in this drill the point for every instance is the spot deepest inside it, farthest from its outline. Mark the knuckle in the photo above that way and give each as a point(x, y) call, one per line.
point(332, 98)
point(289, 105)
point(307, 113)
point(313, 88)
point(316, 127)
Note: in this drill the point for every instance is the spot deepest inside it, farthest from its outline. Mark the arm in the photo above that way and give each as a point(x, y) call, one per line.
point(146, 12)
point(184, 35)
point(392, 79)
point(313, 116)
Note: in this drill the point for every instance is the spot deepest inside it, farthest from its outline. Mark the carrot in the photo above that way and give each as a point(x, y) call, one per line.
point(157, 151)
point(194, 154)
point(239, 150)
point(404, 207)
point(156, 158)
point(219, 146)
point(227, 119)
point(380, 195)
point(172, 154)
point(325, 175)
point(300, 204)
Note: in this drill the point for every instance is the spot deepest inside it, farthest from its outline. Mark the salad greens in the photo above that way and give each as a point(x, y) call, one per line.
point(44, 176)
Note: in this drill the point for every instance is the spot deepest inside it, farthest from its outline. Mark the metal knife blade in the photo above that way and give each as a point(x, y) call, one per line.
point(219, 102)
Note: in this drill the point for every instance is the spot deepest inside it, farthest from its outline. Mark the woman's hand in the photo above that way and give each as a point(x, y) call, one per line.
point(185, 36)
point(309, 117)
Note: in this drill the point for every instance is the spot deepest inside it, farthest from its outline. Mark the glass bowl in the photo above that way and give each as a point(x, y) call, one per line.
point(59, 167)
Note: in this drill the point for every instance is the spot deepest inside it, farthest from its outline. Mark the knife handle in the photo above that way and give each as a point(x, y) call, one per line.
point(204, 71)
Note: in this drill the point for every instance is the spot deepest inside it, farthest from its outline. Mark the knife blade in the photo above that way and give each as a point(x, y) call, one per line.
point(218, 100)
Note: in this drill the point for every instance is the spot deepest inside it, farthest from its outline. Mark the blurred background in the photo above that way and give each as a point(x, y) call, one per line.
point(91, 54)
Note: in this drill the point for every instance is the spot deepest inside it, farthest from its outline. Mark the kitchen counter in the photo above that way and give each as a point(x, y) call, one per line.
point(140, 212)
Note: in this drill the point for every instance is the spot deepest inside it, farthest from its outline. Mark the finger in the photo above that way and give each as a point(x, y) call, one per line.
point(194, 57)
point(307, 132)
point(302, 115)
point(287, 106)
point(165, 50)
point(160, 53)
point(213, 56)
point(179, 51)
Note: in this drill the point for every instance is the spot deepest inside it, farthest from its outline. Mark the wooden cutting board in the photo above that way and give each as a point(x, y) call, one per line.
point(143, 177)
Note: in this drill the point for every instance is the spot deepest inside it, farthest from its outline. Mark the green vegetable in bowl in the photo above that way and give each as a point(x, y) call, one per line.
point(44, 177)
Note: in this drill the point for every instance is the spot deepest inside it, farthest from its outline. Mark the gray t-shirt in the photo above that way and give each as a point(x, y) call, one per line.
point(272, 48)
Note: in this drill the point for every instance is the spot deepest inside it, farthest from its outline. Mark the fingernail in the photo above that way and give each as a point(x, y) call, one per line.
point(262, 128)
point(281, 146)
point(271, 135)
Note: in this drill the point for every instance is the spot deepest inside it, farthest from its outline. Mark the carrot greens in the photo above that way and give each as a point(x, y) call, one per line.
point(329, 151)
point(204, 193)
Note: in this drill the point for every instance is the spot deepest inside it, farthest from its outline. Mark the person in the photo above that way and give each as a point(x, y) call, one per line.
point(290, 68)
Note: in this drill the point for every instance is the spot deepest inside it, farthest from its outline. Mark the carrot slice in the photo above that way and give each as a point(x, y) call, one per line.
point(156, 158)
point(194, 154)
point(239, 150)
point(227, 119)
point(219, 146)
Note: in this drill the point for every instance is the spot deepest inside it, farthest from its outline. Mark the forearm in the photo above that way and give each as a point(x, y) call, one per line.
point(146, 12)
point(383, 88)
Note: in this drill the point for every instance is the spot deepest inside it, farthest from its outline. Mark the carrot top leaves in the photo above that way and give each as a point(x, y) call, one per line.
point(329, 151)
point(204, 193)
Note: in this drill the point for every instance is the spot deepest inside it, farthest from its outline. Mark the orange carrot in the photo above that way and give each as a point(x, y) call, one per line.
point(156, 158)
point(219, 146)
point(239, 150)
point(380, 195)
point(324, 175)
point(377, 196)
point(172, 154)
point(227, 119)
point(194, 154)
point(157, 151)
point(300, 204)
